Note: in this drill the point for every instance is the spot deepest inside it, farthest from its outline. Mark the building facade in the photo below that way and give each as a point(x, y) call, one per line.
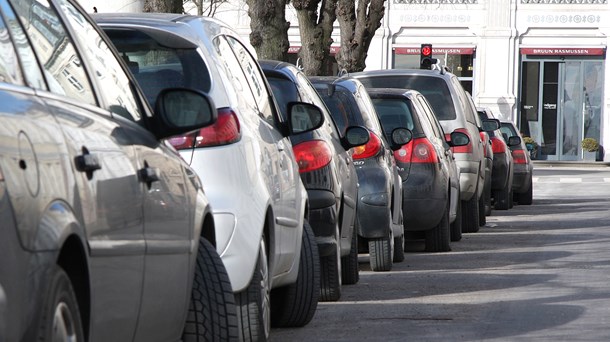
point(539, 63)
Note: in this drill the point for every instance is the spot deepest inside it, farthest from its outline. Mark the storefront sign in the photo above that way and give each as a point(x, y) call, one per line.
point(435, 51)
point(559, 51)
point(333, 49)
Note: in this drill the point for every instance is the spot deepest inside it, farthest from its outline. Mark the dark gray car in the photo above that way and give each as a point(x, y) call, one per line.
point(379, 215)
point(106, 234)
point(523, 187)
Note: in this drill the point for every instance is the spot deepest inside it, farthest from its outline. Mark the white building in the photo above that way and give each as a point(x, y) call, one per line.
point(540, 63)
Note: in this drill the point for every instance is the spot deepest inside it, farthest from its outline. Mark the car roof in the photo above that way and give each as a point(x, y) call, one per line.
point(398, 72)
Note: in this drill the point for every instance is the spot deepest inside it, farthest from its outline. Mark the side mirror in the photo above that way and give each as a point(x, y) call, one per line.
point(514, 141)
point(355, 136)
point(458, 139)
point(491, 125)
point(304, 117)
point(180, 111)
point(400, 136)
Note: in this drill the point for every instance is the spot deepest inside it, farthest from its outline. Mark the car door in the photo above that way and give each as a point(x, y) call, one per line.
point(159, 179)
point(106, 181)
point(288, 202)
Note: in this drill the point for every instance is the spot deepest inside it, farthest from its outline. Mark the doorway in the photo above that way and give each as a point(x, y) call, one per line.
point(561, 105)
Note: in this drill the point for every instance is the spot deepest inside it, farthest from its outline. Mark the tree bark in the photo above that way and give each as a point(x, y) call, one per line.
point(315, 31)
point(269, 28)
point(357, 31)
point(163, 6)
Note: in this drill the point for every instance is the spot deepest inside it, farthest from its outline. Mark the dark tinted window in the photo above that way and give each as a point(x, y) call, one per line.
point(433, 88)
point(55, 50)
point(342, 107)
point(394, 113)
point(284, 91)
point(508, 129)
point(157, 67)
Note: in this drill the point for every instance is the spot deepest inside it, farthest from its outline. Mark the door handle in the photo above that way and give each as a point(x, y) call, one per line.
point(87, 163)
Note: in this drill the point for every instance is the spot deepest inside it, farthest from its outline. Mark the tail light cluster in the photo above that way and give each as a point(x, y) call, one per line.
point(224, 131)
point(370, 149)
point(484, 139)
point(519, 156)
point(418, 150)
point(312, 155)
point(498, 145)
point(461, 149)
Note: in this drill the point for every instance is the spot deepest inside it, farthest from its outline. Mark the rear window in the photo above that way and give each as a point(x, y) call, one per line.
point(341, 105)
point(508, 129)
point(433, 88)
point(394, 113)
point(284, 92)
point(157, 67)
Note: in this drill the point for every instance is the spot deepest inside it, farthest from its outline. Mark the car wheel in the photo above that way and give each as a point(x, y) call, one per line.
point(503, 198)
point(330, 273)
point(350, 273)
point(253, 304)
point(60, 319)
point(399, 249)
point(438, 238)
point(294, 305)
point(482, 209)
point(470, 215)
point(527, 196)
point(212, 315)
point(381, 252)
point(456, 226)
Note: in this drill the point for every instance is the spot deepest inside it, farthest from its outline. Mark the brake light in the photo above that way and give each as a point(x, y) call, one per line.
point(498, 145)
point(461, 149)
point(484, 139)
point(224, 131)
point(419, 150)
point(519, 157)
point(370, 149)
point(312, 155)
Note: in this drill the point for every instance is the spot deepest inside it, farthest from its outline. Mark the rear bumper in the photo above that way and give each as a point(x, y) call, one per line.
point(522, 179)
point(500, 173)
point(323, 218)
point(424, 199)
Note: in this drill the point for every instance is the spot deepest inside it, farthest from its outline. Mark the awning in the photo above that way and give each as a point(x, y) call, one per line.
point(563, 51)
point(440, 50)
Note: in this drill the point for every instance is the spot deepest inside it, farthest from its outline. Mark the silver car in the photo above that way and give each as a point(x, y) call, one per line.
point(106, 233)
point(245, 160)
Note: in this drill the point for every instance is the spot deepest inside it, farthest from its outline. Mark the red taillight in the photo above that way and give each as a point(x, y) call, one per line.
point(498, 145)
point(223, 132)
point(370, 149)
point(419, 150)
point(519, 157)
point(461, 149)
point(312, 155)
point(485, 140)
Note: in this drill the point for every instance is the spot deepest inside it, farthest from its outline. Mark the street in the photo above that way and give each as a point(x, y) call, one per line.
point(533, 273)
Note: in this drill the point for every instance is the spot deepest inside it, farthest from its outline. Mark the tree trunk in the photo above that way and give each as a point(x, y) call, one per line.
point(315, 34)
point(357, 31)
point(163, 6)
point(269, 28)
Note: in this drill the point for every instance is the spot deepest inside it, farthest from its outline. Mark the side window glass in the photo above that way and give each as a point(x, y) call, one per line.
point(236, 77)
point(9, 65)
point(31, 70)
point(438, 130)
point(62, 65)
point(115, 86)
point(254, 78)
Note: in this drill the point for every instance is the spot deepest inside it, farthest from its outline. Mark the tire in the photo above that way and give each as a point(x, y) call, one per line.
point(456, 226)
point(503, 198)
point(470, 215)
point(399, 249)
point(438, 238)
point(482, 209)
point(60, 320)
point(253, 303)
point(526, 197)
point(350, 273)
point(381, 253)
point(487, 203)
point(294, 305)
point(330, 273)
point(212, 315)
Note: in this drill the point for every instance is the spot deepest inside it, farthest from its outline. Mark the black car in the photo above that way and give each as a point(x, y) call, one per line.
point(523, 186)
point(380, 216)
point(431, 183)
point(328, 174)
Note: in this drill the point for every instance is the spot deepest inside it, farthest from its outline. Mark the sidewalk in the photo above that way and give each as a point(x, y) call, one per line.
point(555, 163)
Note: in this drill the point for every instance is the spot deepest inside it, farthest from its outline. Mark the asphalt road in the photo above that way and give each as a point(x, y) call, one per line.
point(533, 273)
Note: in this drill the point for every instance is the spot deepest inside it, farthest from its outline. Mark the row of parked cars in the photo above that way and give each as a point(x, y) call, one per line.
point(159, 183)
